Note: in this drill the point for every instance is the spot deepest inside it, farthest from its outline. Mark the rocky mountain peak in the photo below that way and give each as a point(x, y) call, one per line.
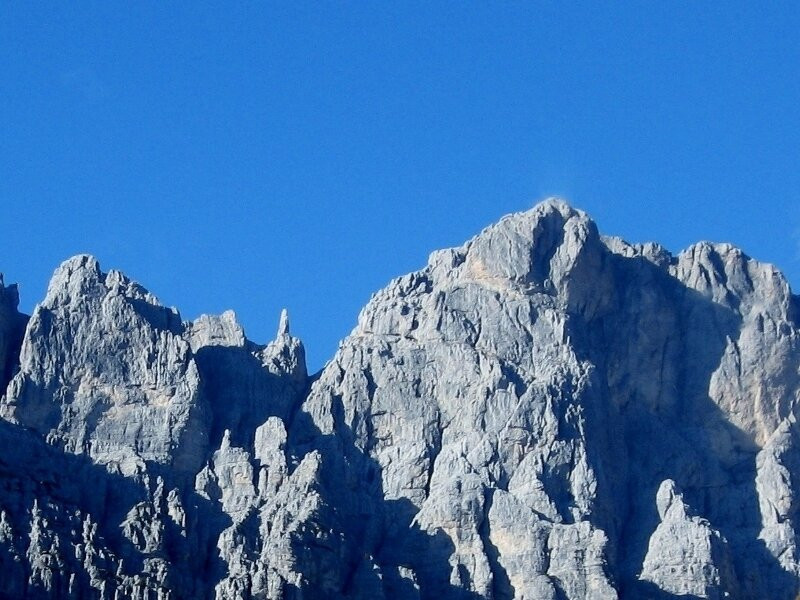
point(531, 250)
point(75, 279)
point(542, 412)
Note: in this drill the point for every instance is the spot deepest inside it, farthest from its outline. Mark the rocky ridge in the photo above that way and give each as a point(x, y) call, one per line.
point(541, 413)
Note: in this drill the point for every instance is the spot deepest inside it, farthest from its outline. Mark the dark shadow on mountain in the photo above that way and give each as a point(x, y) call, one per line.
point(649, 591)
point(13, 347)
point(665, 425)
point(32, 470)
point(794, 310)
point(501, 584)
point(242, 393)
point(159, 317)
point(372, 527)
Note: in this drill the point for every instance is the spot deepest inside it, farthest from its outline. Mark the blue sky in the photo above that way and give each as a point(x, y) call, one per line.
point(264, 155)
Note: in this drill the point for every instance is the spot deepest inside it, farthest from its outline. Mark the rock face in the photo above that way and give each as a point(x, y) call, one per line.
point(542, 413)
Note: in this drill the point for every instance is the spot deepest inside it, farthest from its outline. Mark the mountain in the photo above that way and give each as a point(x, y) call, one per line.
point(542, 413)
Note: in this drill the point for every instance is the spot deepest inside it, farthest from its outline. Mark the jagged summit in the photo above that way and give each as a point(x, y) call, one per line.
point(543, 412)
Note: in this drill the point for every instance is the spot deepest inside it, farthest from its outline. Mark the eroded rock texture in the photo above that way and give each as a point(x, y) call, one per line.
point(542, 413)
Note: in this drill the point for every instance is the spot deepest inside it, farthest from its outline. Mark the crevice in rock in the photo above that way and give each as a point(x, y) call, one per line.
point(501, 584)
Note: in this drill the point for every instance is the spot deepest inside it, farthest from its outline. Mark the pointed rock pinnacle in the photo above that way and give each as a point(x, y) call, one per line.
point(283, 325)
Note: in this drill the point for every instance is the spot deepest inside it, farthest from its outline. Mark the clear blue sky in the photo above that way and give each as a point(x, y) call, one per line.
point(261, 155)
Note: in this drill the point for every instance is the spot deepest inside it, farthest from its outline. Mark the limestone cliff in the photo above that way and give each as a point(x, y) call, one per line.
point(541, 413)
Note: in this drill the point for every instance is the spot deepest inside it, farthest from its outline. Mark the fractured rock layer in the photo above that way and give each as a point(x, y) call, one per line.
point(541, 413)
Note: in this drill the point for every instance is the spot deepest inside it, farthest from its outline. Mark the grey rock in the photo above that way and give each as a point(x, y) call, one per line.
point(541, 413)
point(12, 328)
point(685, 553)
point(105, 372)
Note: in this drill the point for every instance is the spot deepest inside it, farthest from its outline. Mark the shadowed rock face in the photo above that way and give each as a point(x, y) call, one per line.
point(542, 413)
